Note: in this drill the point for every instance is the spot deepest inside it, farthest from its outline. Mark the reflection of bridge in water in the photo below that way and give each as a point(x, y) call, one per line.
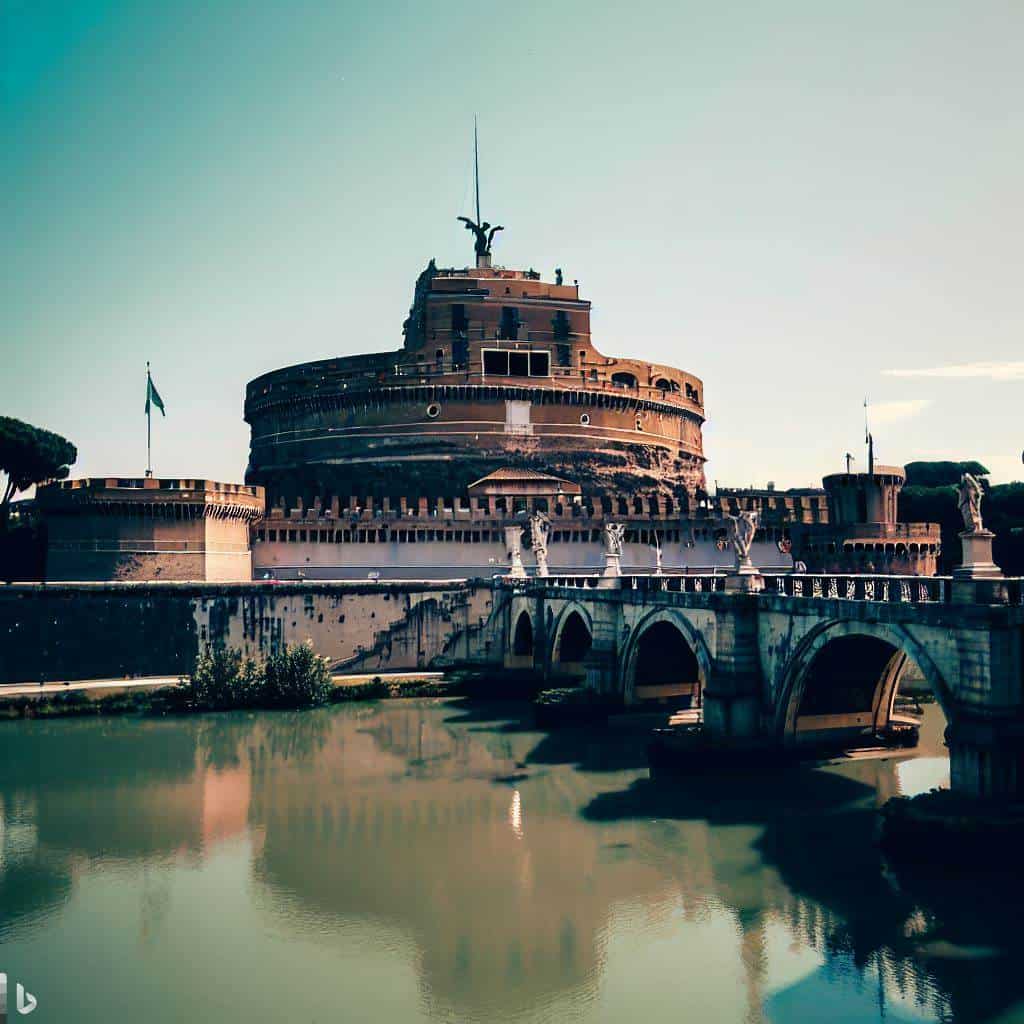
point(807, 659)
point(507, 856)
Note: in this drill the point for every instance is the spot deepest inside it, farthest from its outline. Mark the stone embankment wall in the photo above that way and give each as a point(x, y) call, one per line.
point(85, 631)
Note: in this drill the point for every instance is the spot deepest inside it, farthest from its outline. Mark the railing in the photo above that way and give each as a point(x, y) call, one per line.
point(676, 584)
point(885, 589)
point(823, 586)
point(700, 583)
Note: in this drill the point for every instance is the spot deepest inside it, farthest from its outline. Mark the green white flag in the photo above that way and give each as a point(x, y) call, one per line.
point(152, 395)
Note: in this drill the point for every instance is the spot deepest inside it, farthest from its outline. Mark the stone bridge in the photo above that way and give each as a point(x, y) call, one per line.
point(806, 659)
point(809, 658)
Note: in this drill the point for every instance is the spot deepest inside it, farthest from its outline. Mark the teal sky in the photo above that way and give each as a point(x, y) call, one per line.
point(791, 200)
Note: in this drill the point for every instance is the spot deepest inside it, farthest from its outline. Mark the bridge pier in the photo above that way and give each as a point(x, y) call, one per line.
point(733, 693)
point(986, 759)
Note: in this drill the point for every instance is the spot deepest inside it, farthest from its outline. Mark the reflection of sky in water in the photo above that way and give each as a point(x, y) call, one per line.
point(801, 986)
point(920, 774)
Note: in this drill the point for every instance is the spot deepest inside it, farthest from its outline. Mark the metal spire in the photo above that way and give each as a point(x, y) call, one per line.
point(476, 169)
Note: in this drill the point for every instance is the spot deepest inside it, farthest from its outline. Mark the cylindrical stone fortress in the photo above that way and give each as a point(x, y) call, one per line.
point(497, 369)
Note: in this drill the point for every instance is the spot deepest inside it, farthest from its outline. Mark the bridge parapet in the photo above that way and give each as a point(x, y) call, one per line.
point(910, 590)
point(862, 587)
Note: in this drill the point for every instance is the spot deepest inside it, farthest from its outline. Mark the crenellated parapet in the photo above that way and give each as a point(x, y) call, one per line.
point(155, 498)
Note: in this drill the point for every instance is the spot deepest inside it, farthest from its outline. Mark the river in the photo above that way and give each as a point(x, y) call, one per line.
point(445, 861)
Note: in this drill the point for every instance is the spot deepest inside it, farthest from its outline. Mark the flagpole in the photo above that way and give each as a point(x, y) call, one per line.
point(149, 425)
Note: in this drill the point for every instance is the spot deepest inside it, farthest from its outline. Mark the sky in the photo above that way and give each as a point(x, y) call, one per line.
point(803, 203)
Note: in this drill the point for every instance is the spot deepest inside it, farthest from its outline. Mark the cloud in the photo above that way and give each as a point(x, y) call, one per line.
point(891, 412)
point(988, 370)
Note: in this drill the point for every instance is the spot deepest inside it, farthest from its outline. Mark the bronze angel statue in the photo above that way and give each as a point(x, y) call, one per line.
point(484, 234)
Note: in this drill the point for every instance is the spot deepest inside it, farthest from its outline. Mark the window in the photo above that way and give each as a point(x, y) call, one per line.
point(519, 364)
point(459, 322)
point(560, 326)
point(508, 329)
point(503, 363)
point(625, 380)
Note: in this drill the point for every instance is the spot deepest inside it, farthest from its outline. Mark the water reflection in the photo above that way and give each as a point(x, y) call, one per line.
point(436, 860)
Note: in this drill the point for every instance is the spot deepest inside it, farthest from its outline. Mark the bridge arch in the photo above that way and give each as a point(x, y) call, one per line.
point(666, 656)
point(522, 636)
point(573, 636)
point(843, 678)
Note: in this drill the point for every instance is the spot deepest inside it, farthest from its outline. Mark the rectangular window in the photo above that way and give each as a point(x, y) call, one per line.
point(508, 329)
point(503, 363)
point(272, 536)
point(519, 364)
point(459, 321)
point(495, 362)
point(560, 329)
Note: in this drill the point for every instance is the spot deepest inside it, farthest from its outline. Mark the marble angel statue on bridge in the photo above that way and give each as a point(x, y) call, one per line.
point(539, 528)
point(969, 494)
point(742, 529)
point(614, 533)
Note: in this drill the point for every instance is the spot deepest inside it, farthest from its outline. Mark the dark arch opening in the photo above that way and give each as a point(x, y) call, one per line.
point(844, 676)
point(522, 641)
point(625, 379)
point(666, 667)
point(852, 694)
point(575, 639)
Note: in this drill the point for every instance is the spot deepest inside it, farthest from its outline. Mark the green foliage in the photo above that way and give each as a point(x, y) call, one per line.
point(941, 474)
point(1002, 509)
point(294, 677)
point(381, 689)
point(222, 680)
point(30, 455)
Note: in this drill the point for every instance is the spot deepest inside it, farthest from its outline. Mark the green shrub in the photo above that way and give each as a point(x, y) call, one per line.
point(221, 680)
point(296, 677)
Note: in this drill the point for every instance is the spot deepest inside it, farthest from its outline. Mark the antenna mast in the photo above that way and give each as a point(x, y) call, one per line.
point(476, 169)
point(869, 441)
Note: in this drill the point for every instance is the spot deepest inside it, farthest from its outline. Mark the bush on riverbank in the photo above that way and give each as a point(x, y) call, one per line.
point(294, 677)
point(392, 689)
point(221, 680)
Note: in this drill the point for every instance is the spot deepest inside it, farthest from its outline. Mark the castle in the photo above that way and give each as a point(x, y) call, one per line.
point(419, 462)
